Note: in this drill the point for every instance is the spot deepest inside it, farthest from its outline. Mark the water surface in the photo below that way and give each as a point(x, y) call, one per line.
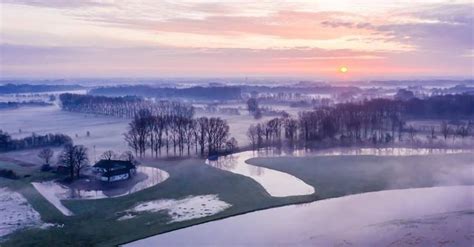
point(427, 215)
point(276, 183)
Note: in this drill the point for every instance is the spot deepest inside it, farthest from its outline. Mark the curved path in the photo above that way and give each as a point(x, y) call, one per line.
point(415, 217)
point(276, 183)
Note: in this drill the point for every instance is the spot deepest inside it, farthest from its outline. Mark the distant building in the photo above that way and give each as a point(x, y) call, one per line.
point(114, 170)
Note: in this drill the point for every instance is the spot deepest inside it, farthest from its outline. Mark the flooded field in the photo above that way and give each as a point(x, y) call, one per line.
point(427, 216)
point(55, 192)
point(277, 184)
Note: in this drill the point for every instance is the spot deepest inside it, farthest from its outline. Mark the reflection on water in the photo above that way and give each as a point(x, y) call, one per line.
point(144, 178)
point(370, 219)
point(277, 184)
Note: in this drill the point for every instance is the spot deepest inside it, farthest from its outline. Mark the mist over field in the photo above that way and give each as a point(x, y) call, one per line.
point(224, 123)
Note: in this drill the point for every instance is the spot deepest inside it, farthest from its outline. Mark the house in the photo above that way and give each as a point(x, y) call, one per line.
point(114, 170)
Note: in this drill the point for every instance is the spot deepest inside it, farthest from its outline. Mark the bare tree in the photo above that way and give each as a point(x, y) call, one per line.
point(231, 146)
point(412, 132)
point(75, 158)
point(131, 137)
point(67, 158)
point(445, 130)
point(201, 133)
point(291, 128)
point(141, 124)
point(253, 108)
point(46, 154)
point(81, 159)
point(108, 155)
point(463, 130)
point(252, 105)
point(432, 132)
point(128, 156)
point(158, 127)
point(253, 136)
point(217, 134)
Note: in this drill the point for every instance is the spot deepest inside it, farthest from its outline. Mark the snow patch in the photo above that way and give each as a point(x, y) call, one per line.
point(191, 207)
point(16, 213)
point(52, 192)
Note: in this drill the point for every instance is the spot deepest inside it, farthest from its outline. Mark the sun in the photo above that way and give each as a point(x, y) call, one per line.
point(343, 69)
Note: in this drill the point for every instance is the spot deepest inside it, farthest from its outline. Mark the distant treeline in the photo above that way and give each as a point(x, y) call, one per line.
point(9, 105)
point(300, 89)
point(125, 107)
point(28, 88)
point(33, 141)
point(197, 93)
point(443, 106)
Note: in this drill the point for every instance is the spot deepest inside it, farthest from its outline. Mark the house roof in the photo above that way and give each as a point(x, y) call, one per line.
point(114, 164)
point(115, 172)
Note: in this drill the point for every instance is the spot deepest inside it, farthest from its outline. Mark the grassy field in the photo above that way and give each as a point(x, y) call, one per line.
point(343, 175)
point(95, 221)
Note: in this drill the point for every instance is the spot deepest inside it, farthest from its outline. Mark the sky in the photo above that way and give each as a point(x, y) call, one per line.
point(151, 38)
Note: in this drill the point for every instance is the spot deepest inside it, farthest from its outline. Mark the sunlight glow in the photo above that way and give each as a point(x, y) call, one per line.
point(343, 69)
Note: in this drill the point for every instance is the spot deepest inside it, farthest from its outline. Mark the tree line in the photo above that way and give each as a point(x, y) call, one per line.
point(442, 106)
point(375, 121)
point(30, 88)
point(7, 143)
point(124, 107)
point(177, 132)
point(196, 92)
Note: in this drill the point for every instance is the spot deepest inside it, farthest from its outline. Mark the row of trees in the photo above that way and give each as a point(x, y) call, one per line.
point(196, 93)
point(7, 143)
point(443, 106)
point(375, 121)
point(178, 132)
point(124, 107)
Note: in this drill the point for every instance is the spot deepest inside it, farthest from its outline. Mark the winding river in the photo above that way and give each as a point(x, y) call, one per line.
point(276, 183)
